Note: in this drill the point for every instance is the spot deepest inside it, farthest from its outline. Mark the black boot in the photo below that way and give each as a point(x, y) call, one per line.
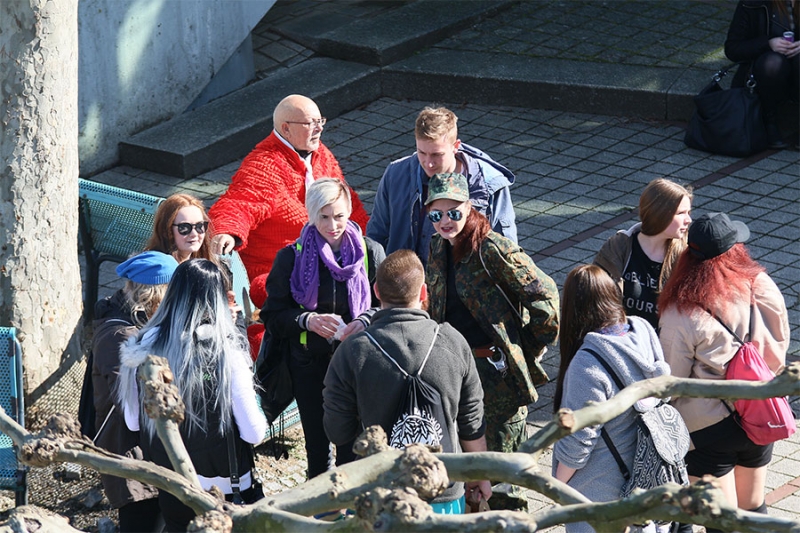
point(774, 138)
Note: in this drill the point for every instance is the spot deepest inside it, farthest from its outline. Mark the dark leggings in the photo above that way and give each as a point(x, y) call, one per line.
point(761, 509)
point(778, 79)
point(308, 376)
point(177, 515)
point(138, 517)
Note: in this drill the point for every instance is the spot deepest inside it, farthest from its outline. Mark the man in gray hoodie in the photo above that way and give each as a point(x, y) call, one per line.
point(363, 387)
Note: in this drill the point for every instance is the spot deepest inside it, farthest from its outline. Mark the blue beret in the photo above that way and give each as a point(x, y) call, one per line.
point(148, 268)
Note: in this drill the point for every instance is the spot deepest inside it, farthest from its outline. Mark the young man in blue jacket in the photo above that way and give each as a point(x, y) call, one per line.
point(398, 217)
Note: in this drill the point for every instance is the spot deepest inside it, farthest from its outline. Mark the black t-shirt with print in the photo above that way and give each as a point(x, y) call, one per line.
point(640, 285)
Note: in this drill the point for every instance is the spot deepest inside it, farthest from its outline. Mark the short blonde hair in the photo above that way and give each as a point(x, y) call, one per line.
point(325, 191)
point(433, 123)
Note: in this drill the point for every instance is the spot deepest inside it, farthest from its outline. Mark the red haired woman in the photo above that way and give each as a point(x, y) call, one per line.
point(471, 273)
point(180, 228)
point(715, 282)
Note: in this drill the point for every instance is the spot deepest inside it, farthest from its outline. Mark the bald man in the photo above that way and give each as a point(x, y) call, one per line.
point(263, 210)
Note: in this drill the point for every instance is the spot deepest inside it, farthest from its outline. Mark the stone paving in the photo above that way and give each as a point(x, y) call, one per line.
point(687, 34)
point(579, 176)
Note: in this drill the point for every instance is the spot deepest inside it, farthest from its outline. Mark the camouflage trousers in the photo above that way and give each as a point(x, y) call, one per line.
point(506, 425)
point(505, 421)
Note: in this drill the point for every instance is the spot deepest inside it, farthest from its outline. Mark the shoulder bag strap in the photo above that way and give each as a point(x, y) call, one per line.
point(105, 421)
point(735, 336)
point(514, 308)
point(626, 474)
point(113, 406)
point(724, 325)
point(376, 343)
point(233, 463)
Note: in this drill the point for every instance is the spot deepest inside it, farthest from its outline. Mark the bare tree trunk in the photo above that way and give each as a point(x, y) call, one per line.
point(40, 286)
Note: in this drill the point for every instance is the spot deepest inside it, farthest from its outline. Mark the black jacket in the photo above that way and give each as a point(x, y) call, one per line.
point(281, 312)
point(112, 326)
point(754, 23)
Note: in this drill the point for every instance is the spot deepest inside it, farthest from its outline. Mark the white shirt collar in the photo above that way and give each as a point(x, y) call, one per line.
point(307, 159)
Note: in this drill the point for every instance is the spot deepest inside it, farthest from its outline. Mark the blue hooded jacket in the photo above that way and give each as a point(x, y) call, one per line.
point(396, 214)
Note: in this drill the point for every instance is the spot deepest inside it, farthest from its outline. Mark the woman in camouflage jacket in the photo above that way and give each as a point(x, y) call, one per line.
point(486, 287)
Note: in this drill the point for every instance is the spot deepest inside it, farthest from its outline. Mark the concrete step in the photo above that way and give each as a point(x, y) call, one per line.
point(226, 129)
point(391, 35)
point(543, 83)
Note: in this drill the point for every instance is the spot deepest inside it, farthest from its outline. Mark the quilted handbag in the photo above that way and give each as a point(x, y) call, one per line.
point(727, 122)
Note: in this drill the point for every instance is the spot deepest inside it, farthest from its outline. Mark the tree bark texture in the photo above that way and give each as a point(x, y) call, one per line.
point(40, 285)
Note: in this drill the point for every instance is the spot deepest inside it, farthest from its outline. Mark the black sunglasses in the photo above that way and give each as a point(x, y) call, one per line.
point(436, 215)
point(185, 228)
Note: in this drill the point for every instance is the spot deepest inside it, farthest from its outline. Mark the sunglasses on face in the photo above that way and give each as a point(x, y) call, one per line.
point(436, 215)
point(185, 228)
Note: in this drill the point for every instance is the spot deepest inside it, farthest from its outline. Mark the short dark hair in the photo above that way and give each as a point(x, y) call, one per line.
point(400, 278)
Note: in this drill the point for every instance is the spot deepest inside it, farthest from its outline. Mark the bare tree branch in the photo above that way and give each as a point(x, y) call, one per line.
point(567, 422)
point(29, 518)
point(389, 488)
point(60, 441)
point(163, 403)
point(701, 503)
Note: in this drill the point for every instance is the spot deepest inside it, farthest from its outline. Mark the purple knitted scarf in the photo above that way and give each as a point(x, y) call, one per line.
point(304, 280)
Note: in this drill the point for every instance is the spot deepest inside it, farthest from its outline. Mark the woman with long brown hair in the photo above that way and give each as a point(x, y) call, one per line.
point(715, 282)
point(641, 258)
point(594, 325)
point(482, 283)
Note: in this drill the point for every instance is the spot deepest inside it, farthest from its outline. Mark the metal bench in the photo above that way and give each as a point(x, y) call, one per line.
point(114, 223)
point(241, 283)
point(289, 418)
point(12, 473)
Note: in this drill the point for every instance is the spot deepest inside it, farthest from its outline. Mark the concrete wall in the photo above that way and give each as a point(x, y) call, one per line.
point(144, 61)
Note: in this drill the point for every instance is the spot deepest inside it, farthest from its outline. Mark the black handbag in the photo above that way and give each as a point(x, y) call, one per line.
point(272, 375)
point(727, 122)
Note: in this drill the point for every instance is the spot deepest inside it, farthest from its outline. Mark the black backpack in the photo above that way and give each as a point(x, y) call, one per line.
point(420, 416)
point(661, 445)
point(86, 410)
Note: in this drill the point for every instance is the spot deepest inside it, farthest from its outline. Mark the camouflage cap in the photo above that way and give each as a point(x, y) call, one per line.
point(450, 186)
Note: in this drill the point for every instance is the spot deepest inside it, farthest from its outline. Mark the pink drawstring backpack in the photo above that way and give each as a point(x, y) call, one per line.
point(765, 421)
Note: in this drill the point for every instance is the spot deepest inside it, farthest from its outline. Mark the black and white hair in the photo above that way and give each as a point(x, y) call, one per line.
point(193, 329)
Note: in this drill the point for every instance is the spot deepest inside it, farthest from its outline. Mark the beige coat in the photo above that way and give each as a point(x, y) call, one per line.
point(697, 346)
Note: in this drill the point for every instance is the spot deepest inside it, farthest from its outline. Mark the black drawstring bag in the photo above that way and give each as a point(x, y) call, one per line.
point(272, 376)
point(727, 122)
point(420, 415)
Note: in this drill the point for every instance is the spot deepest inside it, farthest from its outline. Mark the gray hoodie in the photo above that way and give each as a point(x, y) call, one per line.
point(634, 356)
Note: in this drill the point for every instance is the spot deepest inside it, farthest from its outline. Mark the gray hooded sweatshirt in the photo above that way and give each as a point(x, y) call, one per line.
point(634, 356)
